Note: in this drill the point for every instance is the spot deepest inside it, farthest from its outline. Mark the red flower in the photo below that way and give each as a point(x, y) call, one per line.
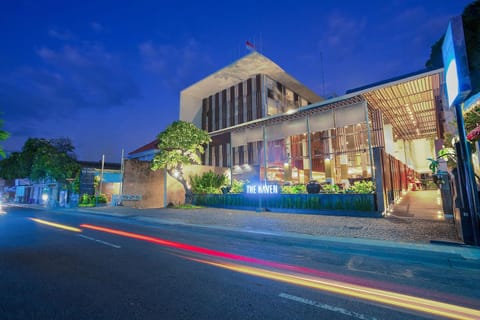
point(474, 135)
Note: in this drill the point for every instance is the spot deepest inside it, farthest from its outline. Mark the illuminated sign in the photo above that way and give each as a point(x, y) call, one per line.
point(454, 55)
point(262, 189)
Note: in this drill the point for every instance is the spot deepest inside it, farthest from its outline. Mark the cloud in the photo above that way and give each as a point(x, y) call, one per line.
point(178, 66)
point(97, 27)
point(343, 33)
point(34, 93)
point(61, 35)
point(68, 79)
point(94, 73)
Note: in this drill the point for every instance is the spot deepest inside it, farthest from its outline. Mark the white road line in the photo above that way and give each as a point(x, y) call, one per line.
point(326, 306)
point(100, 241)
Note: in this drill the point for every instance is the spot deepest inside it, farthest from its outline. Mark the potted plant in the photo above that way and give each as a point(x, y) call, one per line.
point(313, 186)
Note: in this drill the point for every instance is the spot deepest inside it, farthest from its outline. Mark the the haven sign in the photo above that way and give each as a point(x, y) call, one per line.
point(262, 189)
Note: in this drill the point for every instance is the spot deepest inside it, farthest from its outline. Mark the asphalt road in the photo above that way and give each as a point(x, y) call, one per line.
point(117, 268)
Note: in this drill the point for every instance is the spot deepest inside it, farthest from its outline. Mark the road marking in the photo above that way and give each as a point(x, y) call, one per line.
point(325, 306)
point(101, 241)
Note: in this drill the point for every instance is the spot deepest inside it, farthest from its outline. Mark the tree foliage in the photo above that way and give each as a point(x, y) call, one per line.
point(208, 183)
point(471, 29)
point(3, 136)
point(181, 144)
point(42, 159)
point(14, 167)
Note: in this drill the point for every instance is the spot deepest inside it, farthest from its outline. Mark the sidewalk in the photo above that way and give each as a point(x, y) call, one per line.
point(388, 229)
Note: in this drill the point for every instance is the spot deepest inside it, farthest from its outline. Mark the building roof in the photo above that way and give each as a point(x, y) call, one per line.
point(149, 146)
point(98, 165)
point(410, 103)
point(243, 69)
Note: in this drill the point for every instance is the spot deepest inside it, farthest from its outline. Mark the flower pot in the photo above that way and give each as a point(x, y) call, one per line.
point(313, 187)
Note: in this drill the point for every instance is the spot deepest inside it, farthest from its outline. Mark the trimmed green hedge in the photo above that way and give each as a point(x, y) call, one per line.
point(321, 201)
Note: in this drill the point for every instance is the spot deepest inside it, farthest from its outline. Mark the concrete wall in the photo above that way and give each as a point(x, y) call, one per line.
point(140, 180)
point(191, 109)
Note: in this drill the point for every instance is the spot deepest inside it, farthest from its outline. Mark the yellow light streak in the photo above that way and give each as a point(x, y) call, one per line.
point(386, 297)
point(56, 225)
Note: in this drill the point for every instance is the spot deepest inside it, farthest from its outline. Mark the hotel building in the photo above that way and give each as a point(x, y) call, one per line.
point(266, 126)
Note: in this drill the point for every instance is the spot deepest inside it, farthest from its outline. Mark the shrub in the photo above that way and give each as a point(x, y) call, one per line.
point(208, 183)
point(294, 189)
point(331, 188)
point(363, 187)
point(102, 198)
point(85, 199)
point(238, 186)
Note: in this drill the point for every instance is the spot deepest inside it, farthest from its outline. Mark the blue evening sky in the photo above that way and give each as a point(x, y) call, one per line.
point(108, 74)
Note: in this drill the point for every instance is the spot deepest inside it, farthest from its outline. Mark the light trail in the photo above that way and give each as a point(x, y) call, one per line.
point(356, 291)
point(214, 253)
point(56, 225)
point(309, 278)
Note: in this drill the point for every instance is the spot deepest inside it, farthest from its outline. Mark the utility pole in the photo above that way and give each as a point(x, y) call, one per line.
point(101, 174)
point(122, 172)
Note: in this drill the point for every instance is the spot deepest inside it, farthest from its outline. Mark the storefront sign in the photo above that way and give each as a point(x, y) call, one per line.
point(454, 54)
point(262, 189)
point(131, 197)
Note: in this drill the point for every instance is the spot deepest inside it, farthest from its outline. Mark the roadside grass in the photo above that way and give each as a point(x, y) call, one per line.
point(187, 206)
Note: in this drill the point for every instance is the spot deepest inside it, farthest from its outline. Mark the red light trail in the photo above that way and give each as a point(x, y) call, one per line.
point(309, 278)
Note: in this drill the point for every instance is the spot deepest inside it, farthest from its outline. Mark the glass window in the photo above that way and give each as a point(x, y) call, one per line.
point(289, 99)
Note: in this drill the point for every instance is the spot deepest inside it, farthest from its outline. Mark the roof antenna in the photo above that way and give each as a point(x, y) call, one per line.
point(322, 74)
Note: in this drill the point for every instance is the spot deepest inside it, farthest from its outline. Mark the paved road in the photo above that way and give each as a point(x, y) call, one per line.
point(136, 270)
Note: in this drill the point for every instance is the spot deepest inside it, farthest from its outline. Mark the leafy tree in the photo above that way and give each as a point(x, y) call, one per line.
point(436, 59)
point(42, 159)
point(51, 163)
point(181, 144)
point(471, 29)
point(14, 167)
point(3, 136)
point(75, 184)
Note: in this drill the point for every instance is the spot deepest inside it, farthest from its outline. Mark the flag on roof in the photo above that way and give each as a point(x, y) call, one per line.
point(249, 45)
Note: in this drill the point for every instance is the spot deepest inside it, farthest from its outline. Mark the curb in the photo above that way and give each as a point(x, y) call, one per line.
point(465, 251)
